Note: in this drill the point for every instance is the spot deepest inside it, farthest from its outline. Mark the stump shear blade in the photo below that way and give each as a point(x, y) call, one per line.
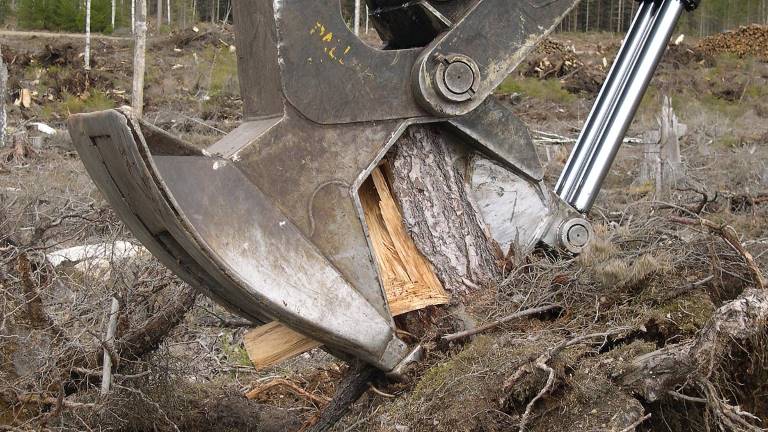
point(268, 221)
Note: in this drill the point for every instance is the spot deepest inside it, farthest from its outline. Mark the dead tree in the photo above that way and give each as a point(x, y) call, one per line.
point(159, 15)
point(662, 164)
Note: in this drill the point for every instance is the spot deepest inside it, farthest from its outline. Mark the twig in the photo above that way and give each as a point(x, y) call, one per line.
point(541, 363)
point(380, 393)
point(514, 316)
point(637, 423)
point(106, 378)
point(318, 400)
point(95, 373)
point(544, 137)
point(32, 398)
point(202, 123)
point(681, 396)
point(151, 402)
point(547, 387)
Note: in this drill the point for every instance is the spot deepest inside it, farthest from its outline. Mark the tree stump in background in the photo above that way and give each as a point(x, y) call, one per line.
point(662, 164)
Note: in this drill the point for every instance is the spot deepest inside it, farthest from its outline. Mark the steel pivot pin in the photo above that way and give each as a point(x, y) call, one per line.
point(457, 77)
point(575, 235)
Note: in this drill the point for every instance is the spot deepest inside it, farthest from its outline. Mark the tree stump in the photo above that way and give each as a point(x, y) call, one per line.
point(662, 163)
point(429, 179)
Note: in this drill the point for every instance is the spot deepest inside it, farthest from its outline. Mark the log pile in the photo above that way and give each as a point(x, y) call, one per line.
point(747, 40)
point(552, 59)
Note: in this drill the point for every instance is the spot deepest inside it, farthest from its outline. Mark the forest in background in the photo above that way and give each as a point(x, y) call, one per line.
point(590, 16)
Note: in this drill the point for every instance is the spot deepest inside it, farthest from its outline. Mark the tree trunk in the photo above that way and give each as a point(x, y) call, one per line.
point(357, 17)
point(87, 56)
point(429, 184)
point(3, 91)
point(168, 11)
point(139, 55)
point(113, 13)
point(159, 15)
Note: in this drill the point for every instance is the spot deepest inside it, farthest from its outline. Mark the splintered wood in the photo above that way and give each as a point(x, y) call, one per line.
point(408, 278)
point(273, 343)
point(409, 281)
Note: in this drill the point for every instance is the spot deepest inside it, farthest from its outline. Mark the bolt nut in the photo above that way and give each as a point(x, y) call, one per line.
point(575, 235)
point(457, 77)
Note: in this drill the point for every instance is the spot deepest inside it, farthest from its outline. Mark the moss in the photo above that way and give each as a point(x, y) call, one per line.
point(729, 141)
point(684, 315)
point(725, 64)
point(461, 393)
point(92, 101)
point(641, 190)
point(547, 90)
point(438, 375)
point(471, 391)
point(605, 265)
point(225, 80)
point(717, 105)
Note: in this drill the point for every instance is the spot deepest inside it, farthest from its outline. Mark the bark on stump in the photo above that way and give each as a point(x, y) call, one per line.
point(428, 176)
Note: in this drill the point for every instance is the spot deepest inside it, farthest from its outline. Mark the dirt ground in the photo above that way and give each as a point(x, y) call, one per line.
point(646, 283)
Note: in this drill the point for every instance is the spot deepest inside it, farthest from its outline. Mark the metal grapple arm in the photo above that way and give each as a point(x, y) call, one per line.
point(268, 221)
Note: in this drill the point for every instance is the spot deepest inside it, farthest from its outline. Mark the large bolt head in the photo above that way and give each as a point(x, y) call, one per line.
point(575, 235)
point(459, 77)
point(578, 235)
point(456, 77)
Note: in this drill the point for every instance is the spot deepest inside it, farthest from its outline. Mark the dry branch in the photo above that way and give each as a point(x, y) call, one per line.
point(106, 379)
point(489, 326)
point(352, 386)
point(319, 401)
point(48, 400)
point(637, 423)
point(147, 338)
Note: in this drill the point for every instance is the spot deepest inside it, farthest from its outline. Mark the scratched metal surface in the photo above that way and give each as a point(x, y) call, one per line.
point(333, 77)
point(105, 141)
point(497, 35)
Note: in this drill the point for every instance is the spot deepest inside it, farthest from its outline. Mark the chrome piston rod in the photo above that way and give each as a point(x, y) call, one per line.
point(617, 102)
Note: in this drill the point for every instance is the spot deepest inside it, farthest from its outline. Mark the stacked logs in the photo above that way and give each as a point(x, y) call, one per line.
point(747, 40)
point(551, 59)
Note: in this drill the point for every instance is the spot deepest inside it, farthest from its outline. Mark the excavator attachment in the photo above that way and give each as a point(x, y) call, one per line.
point(268, 221)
